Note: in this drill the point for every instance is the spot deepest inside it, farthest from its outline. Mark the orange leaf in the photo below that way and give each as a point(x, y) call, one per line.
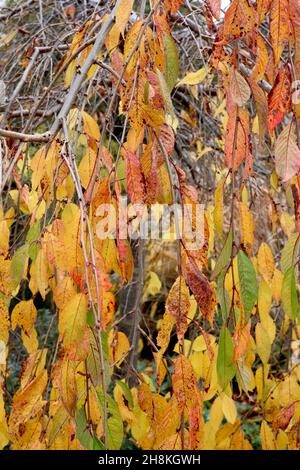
point(240, 19)
point(279, 99)
point(201, 288)
point(279, 27)
point(185, 384)
point(135, 179)
point(177, 304)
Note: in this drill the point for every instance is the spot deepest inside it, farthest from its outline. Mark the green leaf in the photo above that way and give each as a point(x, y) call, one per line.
point(84, 436)
point(18, 263)
point(97, 444)
point(226, 368)
point(248, 283)
point(290, 303)
point(114, 423)
point(172, 61)
point(223, 296)
point(34, 232)
point(32, 237)
point(288, 252)
point(224, 257)
point(93, 359)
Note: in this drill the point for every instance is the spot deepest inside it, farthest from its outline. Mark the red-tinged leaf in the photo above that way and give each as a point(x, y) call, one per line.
point(215, 8)
point(237, 143)
point(150, 171)
point(287, 153)
point(185, 384)
point(239, 88)
point(294, 13)
point(279, 99)
point(196, 431)
point(279, 27)
point(177, 305)
point(241, 339)
point(262, 58)
point(240, 18)
point(296, 197)
point(261, 107)
point(166, 139)
point(262, 8)
point(283, 417)
point(135, 179)
point(173, 5)
point(201, 288)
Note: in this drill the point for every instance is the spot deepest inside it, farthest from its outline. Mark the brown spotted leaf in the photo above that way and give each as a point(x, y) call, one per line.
point(201, 288)
point(177, 304)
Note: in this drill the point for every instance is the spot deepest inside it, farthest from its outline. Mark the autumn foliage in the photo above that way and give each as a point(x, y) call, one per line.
point(203, 353)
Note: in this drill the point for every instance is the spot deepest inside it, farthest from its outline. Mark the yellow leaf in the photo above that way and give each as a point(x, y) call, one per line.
point(30, 341)
point(41, 273)
point(4, 434)
point(24, 315)
point(263, 343)
point(64, 292)
point(228, 408)
point(194, 78)
point(153, 285)
point(267, 438)
point(72, 326)
point(281, 440)
point(247, 228)
point(265, 262)
point(4, 318)
point(276, 285)
point(164, 333)
point(4, 239)
point(119, 347)
point(86, 166)
point(28, 401)
point(264, 300)
point(216, 414)
point(90, 126)
point(122, 14)
point(68, 388)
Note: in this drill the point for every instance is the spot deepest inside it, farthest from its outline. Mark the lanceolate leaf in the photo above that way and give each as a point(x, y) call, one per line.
point(177, 305)
point(262, 107)
point(237, 143)
point(193, 78)
point(172, 61)
point(287, 153)
point(72, 325)
point(226, 368)
point(289, 294)
point(248, 283)
point(296, 198)
point(239, 88)
point(135, 180)
point(279, 27)
point(239, 20)
point(224, 257)
point(215, 7)
point(279, 99)
point(201, 288)
point(114, 421)
point(184, 384)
